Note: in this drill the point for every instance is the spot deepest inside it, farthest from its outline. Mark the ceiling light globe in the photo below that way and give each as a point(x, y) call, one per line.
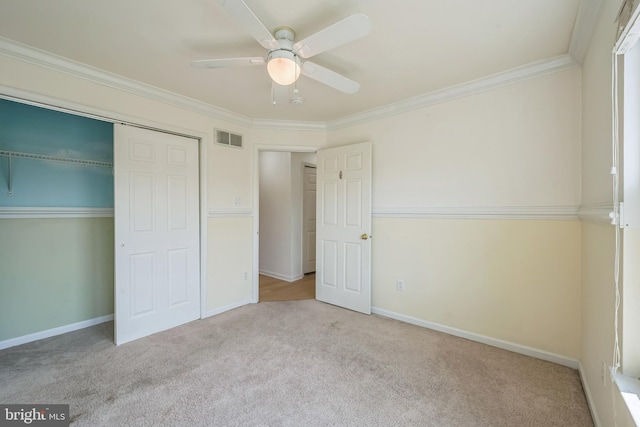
point(283, 67)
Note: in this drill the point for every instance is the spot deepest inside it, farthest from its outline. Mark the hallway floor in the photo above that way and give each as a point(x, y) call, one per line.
point(272, 289)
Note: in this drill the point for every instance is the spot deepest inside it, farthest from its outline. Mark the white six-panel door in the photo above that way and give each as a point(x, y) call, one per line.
point(343, 243)
point(157, 266)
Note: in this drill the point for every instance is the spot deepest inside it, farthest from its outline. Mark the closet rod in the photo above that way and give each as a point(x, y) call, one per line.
point(11, 154)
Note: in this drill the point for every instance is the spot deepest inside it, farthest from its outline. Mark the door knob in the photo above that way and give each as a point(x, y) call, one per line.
point(364, 236)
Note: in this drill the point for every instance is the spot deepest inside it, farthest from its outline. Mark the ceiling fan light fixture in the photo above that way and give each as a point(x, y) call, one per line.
point(283, 67)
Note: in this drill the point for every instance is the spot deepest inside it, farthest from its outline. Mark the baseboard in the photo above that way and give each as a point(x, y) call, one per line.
point(588, 395)
point(12, 342)
point(281, 277)
point(227, 307)
point(505, 345)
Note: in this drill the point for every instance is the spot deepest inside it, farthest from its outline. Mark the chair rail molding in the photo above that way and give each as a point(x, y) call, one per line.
point(596, 213)
point(55, 212)
point(569, 212)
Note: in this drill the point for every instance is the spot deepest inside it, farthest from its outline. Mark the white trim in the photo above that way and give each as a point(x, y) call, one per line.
point(230, 212)
point(487, 212)
point(13, 49)
point(583, 29)
point(289, 125)
point(79, 109)
point(587, 392)
point(505, 345)
point(281, 276)
point(597, 213)
point(514, 75)
point(227, 307)
point(42, 58)
point(12, 342)
point(629, 389)
point(203, 157)
point(628, 38)
point(55, 212)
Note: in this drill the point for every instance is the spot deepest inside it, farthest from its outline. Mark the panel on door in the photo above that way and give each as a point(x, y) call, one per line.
point(157, 232)
point(343, 265)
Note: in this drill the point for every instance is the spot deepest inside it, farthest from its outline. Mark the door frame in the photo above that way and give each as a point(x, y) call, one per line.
point(305, 248)
point(257, 148)
point(77, 109)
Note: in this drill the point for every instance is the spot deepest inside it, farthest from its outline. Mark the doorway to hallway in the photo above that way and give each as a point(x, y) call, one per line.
point(272, 289)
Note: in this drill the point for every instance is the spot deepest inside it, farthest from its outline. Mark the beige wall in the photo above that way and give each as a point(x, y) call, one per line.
point(598, 243)
point(512, 280)
point(596, 110)
point(230, 246)
point(517, 145)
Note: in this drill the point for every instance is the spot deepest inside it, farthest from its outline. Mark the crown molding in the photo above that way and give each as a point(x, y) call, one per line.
point(58, 63)
point(289, 125)
point(583, 29)
point(64, 65)
point(485, 212)
point(514, 75)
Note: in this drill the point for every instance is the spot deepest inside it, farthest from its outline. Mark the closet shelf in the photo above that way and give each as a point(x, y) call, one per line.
point(55, 158)
point(11, 154)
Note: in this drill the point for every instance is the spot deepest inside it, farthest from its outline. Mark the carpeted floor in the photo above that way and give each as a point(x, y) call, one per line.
point(298, 363)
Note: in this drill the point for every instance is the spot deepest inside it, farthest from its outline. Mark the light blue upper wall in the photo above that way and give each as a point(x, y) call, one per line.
point(28, 129)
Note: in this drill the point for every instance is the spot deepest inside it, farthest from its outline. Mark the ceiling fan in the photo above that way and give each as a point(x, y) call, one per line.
point(283, 61)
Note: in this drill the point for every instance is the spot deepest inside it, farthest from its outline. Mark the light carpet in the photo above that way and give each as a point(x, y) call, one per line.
point(297, 363)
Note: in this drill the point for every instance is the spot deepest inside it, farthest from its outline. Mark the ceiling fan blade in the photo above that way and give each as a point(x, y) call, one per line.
point(228, 62)
point(330, 78)
point(245, 17)
point(348, 29)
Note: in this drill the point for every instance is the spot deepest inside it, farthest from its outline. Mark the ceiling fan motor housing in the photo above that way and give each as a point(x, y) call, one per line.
point(280, 62)
point(284, 36)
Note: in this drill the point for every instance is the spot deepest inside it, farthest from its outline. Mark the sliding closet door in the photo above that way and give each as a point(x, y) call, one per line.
point(156, 232)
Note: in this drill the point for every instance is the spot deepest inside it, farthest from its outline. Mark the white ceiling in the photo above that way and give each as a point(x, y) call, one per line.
point(415, 47)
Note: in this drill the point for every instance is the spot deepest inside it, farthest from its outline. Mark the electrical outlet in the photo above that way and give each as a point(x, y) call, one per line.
point(603, 373)
point(400, 285)
point(245, 275)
